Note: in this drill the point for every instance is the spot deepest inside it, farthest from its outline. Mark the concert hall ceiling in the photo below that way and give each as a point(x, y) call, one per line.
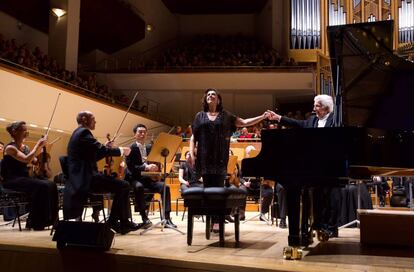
point(108, 25)
point(34, 13)
point(102, 22)
point(214, 6)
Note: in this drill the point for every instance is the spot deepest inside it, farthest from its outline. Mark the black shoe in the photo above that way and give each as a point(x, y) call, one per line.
point(127, 226)
point(333, 233)
point(262, 217)
point(115, 226)
point(229, 218)
point(95, 216)
point(145, 224)
point(282, 224)
point(242, 218)
point(170, 224)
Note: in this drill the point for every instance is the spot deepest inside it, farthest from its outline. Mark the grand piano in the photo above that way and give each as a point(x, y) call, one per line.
point(374, 97)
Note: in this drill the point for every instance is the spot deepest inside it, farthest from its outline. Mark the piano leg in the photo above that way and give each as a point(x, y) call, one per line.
point(306, 212)
point(299, 210)
point(293, 194)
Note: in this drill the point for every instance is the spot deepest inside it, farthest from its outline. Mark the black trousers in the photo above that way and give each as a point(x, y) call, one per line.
point(280, 196)
point(267, 197)
point(327, 207)
point(153, 187)
point(120, 188)
point(43, 208)
point(213, 180)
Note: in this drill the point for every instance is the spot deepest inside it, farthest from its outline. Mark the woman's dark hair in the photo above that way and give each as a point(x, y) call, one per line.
point(11, 128)
point(220, 100)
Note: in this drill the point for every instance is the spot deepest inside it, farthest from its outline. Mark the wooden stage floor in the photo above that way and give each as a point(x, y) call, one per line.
point(260, 250)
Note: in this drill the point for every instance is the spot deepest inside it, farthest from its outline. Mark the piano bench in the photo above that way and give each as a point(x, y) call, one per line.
point(213, 202)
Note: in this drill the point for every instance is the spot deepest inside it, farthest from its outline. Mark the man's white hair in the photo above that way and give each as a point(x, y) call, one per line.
point(325, 100)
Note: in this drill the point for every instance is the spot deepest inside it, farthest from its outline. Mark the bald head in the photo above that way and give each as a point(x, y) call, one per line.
point(86, 119)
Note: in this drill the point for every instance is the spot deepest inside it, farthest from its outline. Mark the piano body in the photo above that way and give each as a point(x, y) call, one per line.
point(374, 97)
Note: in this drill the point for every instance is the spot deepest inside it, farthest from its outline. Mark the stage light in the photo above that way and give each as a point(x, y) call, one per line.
point(58, 12)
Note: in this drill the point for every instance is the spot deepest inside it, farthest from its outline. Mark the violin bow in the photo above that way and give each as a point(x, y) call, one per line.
point(133, 137)
point(55, 140)
point(123, 119)
point(51, 117)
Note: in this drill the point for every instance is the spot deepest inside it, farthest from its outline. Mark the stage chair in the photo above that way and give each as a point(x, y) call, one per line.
point(152, 202)
point(63, 160)
point(213, 201)
point(13, 199)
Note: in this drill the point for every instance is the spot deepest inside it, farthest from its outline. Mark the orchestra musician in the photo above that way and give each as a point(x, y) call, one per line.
point(136, 163)
point(44, 200)
point(187, 174)
point(327, 199)
point(83, 177)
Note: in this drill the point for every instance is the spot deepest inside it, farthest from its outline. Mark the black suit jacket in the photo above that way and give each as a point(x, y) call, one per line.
point(311, 122)
point(135, 163)
point(83, 153)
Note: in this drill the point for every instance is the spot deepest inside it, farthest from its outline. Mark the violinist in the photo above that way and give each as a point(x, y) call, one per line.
point(44, 205)
point(83, 177)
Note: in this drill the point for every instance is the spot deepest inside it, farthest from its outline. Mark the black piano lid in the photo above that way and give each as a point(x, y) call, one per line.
point(376, 86)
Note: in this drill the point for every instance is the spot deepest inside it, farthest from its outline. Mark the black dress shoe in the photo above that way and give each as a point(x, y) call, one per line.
point(95, 216)
point(115, 226)
point(170, 224)
point(282, 224)
point(229, 218)
point(145, 224)
point(127, 226)
point(333, 233)
point(242, 218)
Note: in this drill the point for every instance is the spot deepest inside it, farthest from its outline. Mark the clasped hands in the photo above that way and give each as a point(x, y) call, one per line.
point(271, 115)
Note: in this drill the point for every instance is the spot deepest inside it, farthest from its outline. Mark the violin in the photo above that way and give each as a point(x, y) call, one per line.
point(41, 167)
point(108, 161)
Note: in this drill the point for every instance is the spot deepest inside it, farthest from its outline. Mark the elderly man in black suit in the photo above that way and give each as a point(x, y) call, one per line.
point(327, 199)
point(83, 177)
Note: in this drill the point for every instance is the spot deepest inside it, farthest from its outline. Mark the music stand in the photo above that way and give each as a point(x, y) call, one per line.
point(163, 151)
point(269, 222)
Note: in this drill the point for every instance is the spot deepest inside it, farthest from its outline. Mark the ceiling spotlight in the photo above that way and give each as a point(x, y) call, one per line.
point(58, 12)
point(149, 28)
